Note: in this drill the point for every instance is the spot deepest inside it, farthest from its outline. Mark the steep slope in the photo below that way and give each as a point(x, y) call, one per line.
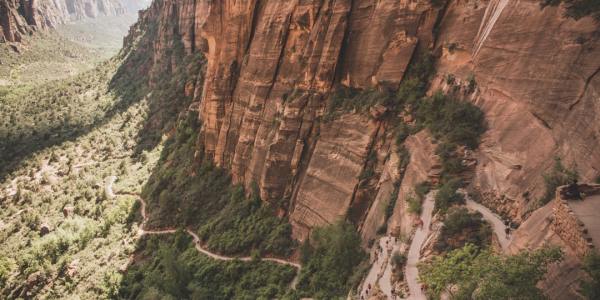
point(272, 66)
point(22, 17)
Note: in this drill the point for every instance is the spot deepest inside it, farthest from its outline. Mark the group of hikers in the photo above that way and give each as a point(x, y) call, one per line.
point(389, 247)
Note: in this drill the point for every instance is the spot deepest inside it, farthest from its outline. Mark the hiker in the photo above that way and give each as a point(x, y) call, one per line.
point(507, 231)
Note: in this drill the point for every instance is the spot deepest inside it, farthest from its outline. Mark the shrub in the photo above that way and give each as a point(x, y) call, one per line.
point(591, 265)
point(330, 259)
point(5, 270)
point(462, 227)
point(422, 189)
point(414, 205)
point(447, 195)
point(398, 259)
point(558, 175)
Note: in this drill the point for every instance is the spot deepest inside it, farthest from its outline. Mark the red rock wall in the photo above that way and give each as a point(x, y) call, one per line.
point(272, 65)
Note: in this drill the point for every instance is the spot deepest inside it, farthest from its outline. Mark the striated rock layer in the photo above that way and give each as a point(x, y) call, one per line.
point(272, 66)
point(22, 17)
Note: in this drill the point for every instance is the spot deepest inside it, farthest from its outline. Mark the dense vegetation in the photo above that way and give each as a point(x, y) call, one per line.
point(60, 233)
point(462, 227)
point(331, 262)
point(480, 274)
point(577, 9)
point(187, 190)
point(36, 117)
point(172, 268)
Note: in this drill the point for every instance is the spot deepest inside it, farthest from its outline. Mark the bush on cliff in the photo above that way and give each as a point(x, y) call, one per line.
point(451, 120)
point(462, 227)
point(558, 175)
point(471, 273)
point(329, 261)
point(448, 195)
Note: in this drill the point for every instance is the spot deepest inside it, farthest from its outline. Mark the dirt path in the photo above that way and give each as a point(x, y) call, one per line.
point(198, 242)
point(414, 252)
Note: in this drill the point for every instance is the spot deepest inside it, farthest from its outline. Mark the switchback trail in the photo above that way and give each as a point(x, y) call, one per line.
point(198, 242)
point(497, 223)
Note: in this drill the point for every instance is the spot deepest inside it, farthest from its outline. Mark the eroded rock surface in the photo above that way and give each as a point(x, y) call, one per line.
point(272, 66)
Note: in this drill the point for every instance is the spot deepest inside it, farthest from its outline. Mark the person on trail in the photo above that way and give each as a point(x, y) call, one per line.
point(507, 231)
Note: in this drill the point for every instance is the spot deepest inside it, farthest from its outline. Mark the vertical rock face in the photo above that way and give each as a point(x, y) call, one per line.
point(273, 64)
point(537, 74)
point(22, 17)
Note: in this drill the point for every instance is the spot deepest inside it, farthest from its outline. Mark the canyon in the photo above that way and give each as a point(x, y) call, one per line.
point(271, 69)
point(23, 17)
point(300, 102)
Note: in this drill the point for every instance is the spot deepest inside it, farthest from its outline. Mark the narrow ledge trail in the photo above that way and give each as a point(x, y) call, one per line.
point(196, 239)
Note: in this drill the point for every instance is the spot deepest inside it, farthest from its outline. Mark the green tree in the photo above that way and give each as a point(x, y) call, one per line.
point(484, 275)
point(447, 195)
point(330, 259)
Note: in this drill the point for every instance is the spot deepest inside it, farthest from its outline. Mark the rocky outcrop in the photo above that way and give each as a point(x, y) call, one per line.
point(537, 76)
point(422, 164)
point(272, 66)
point(23, 17)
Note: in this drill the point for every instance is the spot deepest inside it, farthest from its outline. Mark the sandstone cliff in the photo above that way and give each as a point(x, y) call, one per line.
point(273, 64)
point(22, 17)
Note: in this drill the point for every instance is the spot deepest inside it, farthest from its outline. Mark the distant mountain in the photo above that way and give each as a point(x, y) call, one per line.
point(21, 17)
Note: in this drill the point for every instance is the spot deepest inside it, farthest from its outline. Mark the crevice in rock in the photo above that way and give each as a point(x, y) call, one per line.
point(585, 87)
point(357, 187)
point(544, 123)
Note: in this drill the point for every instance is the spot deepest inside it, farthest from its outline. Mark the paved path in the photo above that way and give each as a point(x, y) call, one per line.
point(198, 242)
point(497, 223)
point(414, 252)
point(380, 272)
